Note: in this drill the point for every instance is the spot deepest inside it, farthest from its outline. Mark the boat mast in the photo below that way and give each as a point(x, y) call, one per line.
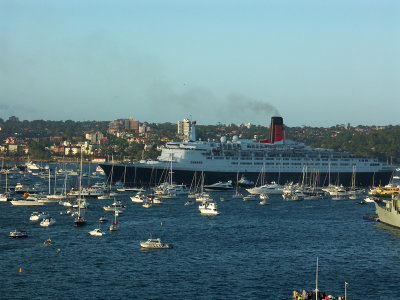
point(55, 180)
point(49, 182)
point(316, 282)
point(80, 188)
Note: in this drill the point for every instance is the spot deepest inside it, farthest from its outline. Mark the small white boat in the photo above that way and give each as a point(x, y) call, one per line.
point(138, 198)
point(219, 186)
point(155, 244)
point(244, 182)
point(26, 202)
point(4, 197)
point(48, 221)
point(369, 199)
point(263, 202)
point(148, 203)
point(37, 216)
point(103, 220)
point(203, 197)
point(208, 208)
point(96, 232)
point(157, 200)
point(104, 197)
point(117, 205)
point(16, 234)
point(250, 198)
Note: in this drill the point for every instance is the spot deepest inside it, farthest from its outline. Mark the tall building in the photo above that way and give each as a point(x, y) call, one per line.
point(128, 124)
point(131, 124)
point(184, 129)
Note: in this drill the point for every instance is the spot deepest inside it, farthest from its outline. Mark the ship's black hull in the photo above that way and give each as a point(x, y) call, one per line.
point(142, 176)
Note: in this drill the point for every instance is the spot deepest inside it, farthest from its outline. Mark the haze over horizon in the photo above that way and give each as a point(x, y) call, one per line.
point(314, 63)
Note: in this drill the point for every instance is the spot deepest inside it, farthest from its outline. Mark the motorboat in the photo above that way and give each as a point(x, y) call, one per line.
point(203, 197)
point(263, 202)
point(103, 219)
point(270, 189)
point(157, 200)
point(26, 202)
point(219, 186)
point(208, 208)
point(96, 232)
point(4, 197)
point(104, 197)
point(148, 203)
point(37, 216)
point(138, 198)
point(250, 198)
point(244, 182)
point(171, 190)
point(48, 221)
point(369, 199)
point(16, 234)
point(117, 205)
point(154, 244)
point(130, 189)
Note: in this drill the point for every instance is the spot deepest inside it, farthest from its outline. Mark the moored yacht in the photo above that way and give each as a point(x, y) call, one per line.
point(208, 208)
point(37, 216)
point(138, 198)
point(219, 186)
point(96, 232)
point(155, 244)
point(268, 189)
point(48, 221)
point(18, 234)
point(26, 202)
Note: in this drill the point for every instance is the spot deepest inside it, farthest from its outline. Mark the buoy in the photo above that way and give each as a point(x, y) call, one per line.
point(161, 223)
point(20, 270)
point(58, 250)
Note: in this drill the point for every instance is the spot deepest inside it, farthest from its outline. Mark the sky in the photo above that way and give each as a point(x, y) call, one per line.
point(315, 63)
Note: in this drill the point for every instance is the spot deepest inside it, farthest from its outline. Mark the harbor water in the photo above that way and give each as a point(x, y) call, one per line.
point(249, 251)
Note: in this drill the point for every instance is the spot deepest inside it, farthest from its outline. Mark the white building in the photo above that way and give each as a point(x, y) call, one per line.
point(184, 129)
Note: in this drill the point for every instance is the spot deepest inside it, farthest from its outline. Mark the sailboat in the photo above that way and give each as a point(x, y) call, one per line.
point(354, 193)
point(114, 226)
point(193, 186)
point(237, 194)
point(203, 196)
point(79, 219)
point(4, 197)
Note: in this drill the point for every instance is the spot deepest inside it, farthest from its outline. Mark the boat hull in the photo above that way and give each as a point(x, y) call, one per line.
point(143, 175)
point(386, 213)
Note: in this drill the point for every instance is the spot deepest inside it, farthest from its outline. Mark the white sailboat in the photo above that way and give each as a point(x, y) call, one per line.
point(80, 219)
point(114, 226)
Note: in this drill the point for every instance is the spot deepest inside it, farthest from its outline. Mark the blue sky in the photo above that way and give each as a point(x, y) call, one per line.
point(315, 63)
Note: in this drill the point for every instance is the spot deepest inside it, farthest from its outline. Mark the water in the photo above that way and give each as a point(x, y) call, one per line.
point(249, 251)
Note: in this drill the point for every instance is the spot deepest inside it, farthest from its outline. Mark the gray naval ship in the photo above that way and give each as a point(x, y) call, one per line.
point(388, 211)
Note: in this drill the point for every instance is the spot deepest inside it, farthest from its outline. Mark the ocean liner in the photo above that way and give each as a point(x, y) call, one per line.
point(276, 158)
